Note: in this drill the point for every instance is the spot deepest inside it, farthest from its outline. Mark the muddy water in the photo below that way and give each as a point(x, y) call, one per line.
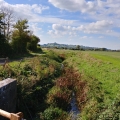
point(74, 111)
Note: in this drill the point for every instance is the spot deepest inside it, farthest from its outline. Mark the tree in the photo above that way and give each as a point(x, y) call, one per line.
point(22, 26)
point(4, 46)
point(78, 47)
point(103, 49)
point(2, 24)
point(32, 45)
point(20, 36)
point(8, 18)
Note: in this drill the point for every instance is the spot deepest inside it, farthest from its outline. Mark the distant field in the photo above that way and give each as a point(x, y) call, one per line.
point(113, 57)
point(105, 53)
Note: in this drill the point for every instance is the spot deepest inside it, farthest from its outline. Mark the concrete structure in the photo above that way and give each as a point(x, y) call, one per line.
point(8, 93)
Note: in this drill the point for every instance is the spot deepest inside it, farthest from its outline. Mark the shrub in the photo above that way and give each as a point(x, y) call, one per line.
point(54, 56)
point(52, 113)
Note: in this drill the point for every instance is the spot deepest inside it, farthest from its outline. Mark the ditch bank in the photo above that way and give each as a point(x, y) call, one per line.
point(45, 88)
point(68, 95)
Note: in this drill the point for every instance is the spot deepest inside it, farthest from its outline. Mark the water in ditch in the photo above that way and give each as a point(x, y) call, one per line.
point(74, 111)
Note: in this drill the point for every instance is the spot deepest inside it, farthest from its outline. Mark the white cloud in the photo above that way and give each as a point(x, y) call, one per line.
point(101, 27)
point(83, 37)
point(2, 2)
point(31, 12)
point(74, 5)
point(101, 37)
point(96, 10)
point(58, 29)
point(34, 27)
point(25, 10)
point(39, 8)
point(88, 6)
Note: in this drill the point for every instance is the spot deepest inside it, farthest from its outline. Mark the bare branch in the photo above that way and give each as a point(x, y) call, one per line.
point(8, 19)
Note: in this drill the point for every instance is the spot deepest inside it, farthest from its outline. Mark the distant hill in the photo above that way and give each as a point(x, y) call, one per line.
point(75, 47)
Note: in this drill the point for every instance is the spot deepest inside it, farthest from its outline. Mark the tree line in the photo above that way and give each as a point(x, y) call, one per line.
point(15, 37)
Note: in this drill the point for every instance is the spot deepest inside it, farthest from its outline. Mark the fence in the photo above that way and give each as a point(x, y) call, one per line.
point(11, 116)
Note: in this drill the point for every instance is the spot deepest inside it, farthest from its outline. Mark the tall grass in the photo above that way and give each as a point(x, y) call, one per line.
point(35, 76)
point(101, 71)
point(46, 88)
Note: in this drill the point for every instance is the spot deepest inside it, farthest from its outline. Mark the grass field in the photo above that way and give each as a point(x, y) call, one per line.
point(101, 71)
point(99, 76)
point(113, 57)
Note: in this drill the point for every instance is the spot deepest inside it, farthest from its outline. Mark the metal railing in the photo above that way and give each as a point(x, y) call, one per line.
point(11, 116)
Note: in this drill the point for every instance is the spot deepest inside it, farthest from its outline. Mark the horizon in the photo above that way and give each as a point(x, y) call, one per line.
point(86, 22)
point(80, 45)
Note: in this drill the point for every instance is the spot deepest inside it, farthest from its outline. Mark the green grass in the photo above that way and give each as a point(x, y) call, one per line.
point(34, 75)
point(111, 57)
point(101, 70)
point(105, 53)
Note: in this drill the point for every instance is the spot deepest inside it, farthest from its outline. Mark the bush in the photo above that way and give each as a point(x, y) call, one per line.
point(54, 56)
point(5, 48)
point(52, 113)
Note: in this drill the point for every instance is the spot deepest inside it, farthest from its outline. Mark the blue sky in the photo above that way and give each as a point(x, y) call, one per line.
point(92, 23)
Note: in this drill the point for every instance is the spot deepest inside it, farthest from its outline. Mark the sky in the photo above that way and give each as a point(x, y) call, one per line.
point(94, 23)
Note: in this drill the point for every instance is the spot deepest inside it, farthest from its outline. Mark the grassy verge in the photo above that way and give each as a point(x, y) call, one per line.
point(101, 71)
point(35, 76)
point(46, 88)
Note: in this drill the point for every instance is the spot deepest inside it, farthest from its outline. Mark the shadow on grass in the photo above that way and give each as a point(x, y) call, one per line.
point(35, 101)
point(26, 55)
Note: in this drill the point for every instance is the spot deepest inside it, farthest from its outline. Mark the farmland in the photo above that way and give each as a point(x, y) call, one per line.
point(43, 84)
point(101, 72)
